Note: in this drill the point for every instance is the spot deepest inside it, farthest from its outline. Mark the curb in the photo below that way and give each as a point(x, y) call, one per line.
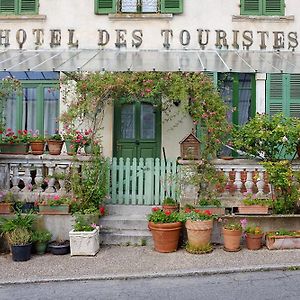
point(183, 273)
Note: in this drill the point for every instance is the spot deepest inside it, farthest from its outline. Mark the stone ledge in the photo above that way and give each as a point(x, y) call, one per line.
point(23, 18)
point(276, 19)
point(140, 17)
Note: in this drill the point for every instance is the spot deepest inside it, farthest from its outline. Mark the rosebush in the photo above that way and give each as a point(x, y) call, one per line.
point(159, 216)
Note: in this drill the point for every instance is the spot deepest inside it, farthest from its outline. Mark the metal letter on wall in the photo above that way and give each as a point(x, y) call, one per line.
point(4, 37)
point(184, 37)
point(55, 37)
point(121, 38)
point(103, 37)
point(221, 40)
point(21, 37)
point(137, 38)
point(39, 36)
point(293, 40)
point(167, 34)
point(71, 43)
point(278, 40)
point(200, 39)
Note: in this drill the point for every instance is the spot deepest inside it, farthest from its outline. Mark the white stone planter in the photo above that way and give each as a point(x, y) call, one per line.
point(84, 242)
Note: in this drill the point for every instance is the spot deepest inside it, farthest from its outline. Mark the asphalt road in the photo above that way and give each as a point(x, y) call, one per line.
point(254, 285)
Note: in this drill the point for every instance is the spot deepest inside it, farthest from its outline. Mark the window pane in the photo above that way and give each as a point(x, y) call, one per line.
point(11, 113)
point(244, 97)
point(147, 121)
point(127, 122)
point(129, 5)
point(149, 5)
point(29, 109)
point(51, 110)
point(226, 89)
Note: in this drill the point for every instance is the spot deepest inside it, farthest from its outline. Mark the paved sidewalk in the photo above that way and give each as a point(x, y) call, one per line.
point(116, 262)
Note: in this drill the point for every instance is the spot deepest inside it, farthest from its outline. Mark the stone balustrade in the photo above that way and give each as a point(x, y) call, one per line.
point(33, 175)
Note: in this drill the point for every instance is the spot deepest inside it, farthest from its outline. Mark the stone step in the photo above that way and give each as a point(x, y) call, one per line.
point(124, 222)
point(126, 237)
point(128, 210)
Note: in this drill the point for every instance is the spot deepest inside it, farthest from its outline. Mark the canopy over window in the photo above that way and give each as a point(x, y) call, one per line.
point(150, 60)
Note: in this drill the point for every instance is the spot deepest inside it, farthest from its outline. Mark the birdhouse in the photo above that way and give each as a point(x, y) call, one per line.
point(190, 147)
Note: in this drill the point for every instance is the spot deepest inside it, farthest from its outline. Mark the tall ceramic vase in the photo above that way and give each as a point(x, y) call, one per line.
point(165, 236)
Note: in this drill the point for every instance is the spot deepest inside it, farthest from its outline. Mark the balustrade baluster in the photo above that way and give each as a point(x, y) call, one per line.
point(15, 178)
point(27, 179)
point(249, 181)
point(238, 181)
point(51, 182)
point(61, 169)
point(260, 183)
point(39, 179)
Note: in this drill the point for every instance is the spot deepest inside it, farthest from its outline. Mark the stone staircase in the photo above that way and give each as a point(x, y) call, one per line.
point(126, 225)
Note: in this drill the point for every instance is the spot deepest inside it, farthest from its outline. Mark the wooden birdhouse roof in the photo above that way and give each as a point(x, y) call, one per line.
point(188, 137)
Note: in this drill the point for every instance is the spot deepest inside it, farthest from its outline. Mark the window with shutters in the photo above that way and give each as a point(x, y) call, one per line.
point(262, 7)
point(19, 7)
point(37, 106)
point(283, 94)
point(138, 6)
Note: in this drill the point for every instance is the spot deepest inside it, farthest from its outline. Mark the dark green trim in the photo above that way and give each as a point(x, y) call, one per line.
point(235, 96)
point(263, 7)
point(19, 7)
point(253, 96)
point(171, 6)
point(104, 7)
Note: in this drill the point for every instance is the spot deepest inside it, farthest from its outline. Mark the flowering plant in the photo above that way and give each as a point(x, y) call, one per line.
point(253, 229)
point(53, 200)
point(268, 137)
point(251, 199)
point(233, 225)
point(82, 225)
point(198, 215)
point(10, 137)
point(159, 216)
point(87, 137)
point(35, 137)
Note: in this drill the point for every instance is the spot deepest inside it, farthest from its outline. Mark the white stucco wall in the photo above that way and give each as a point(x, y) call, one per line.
point(198, 14)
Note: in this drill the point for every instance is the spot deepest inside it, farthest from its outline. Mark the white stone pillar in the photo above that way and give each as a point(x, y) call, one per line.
point(260, 79)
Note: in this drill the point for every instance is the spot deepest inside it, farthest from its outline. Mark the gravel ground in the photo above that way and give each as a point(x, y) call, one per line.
point(131, 262)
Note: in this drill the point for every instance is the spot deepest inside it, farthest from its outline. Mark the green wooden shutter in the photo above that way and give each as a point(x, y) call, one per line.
point(8, 6)
point(105, 6)
point(171, 6)
point(293, 100)
point(28, 6)
point(275, 94)
point(273, 7)
point(251, 7)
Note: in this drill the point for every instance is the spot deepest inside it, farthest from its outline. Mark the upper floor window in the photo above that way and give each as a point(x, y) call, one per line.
point(138, 6)
point(19, 7)
point(262, 7)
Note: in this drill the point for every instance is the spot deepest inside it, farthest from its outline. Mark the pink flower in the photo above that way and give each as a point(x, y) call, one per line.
point(244, 223)
point(56, 197)
point(154, 209)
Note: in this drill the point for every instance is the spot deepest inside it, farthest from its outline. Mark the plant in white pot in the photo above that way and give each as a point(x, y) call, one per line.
point(84, 238)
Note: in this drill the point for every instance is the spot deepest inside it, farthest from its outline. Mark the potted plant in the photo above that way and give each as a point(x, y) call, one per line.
point(54, 205)
point(84, 237)
point(254, 205)
point(213, 205)
point(20, 242)
point(41, 239)
point(253, 235)
point(18, 232)
point(73, 139)
point(283, 239)
point(87, 138)
point(59, 247)
point(232, 233)
point(55, 143)
point(165, 228)
point(199, 226)
point(7, 201)
point(14, 143)
point(169, 204)
point(37, 143)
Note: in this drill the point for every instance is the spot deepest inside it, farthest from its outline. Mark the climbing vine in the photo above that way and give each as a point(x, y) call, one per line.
point(193, 92)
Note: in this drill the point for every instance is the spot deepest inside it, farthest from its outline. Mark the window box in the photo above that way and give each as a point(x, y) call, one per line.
point(277, 242)
point(62, 209)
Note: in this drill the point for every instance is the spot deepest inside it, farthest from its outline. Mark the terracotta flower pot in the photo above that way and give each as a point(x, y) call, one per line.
point(165, 236)
point(253, 209)
point(199, 232)
point(170, 208)
point(55, 147)
point(253, 241)
point(232, 240)
point(37, 148)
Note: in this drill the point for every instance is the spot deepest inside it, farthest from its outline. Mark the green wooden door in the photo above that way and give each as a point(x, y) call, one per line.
point(137, 130)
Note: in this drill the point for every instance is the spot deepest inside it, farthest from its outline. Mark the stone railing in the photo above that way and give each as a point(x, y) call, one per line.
point(243, 176)
point(32, 175)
